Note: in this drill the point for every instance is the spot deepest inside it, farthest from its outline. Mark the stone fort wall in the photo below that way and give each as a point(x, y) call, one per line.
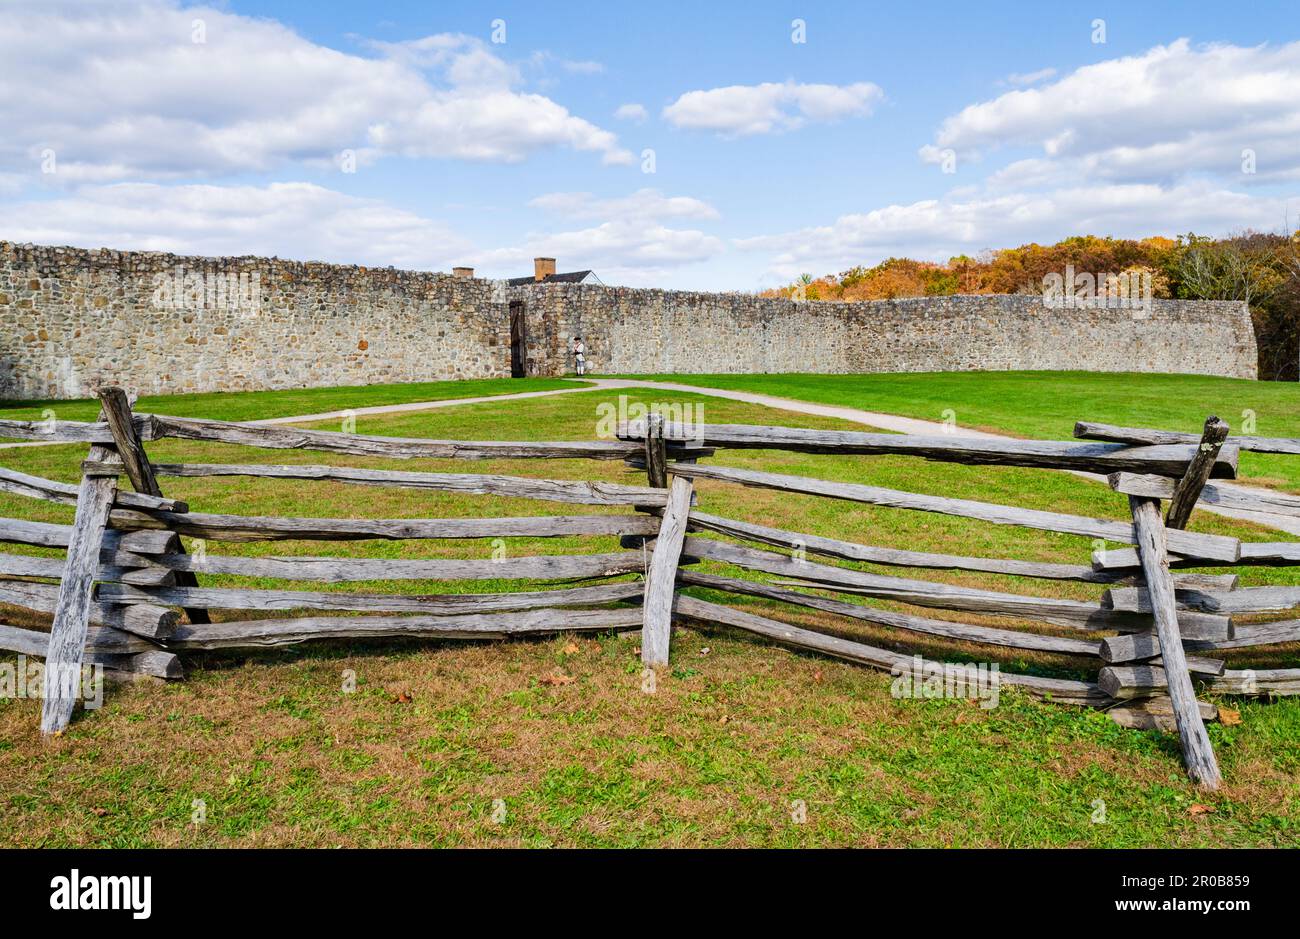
point(71, 319)
point(654, 331)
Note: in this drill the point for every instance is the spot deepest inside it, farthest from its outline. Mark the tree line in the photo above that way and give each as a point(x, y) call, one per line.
point(1262, 269)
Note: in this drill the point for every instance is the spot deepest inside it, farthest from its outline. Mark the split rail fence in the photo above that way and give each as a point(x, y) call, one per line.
point(126, 596)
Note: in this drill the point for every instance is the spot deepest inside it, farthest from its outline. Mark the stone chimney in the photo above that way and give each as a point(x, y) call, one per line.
point(543, 268)
point(464, 273)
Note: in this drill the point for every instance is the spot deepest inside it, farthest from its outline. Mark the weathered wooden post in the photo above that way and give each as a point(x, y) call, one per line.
point(1188, 489)
point(661, 576)
point(130, 448)
point(72, 609)
point(656, 452)
point(1153, 552)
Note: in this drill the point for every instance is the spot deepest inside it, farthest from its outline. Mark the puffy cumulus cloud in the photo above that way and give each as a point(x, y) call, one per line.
point(1172, 111)
point(492, 125)
point(291, 220)
point(968, 221)
point(742, 110)
point(627, 240)
point(127, 89)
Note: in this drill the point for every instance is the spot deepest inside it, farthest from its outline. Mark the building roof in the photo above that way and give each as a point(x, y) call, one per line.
point(572, 277)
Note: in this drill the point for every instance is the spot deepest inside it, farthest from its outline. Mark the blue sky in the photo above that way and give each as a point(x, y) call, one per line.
point(408, 133)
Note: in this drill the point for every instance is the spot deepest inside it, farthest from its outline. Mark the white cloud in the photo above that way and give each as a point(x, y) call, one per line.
point(291, 220)
point(1169, 112)
point(120, 90)
point(741, 110)
point(970, 222)
point(628, 240)
point(631, 112)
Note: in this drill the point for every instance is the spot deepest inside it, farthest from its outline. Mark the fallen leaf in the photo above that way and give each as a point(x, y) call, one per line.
point(723, 719)
point(1197, 809)
point(1229, 717)
point(572, 649)
point(557, 679)
point(100, 812)
point(403, 698)
point(817, 675)
point(637, 652)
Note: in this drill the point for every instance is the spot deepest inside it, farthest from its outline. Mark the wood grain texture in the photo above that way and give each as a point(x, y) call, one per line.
point(966, 632)
point(1221, 495)
point(1247, 600)
point(661, 578)
point(159, 664)
point(293, 438)
point(99, 641)
point(233, 598)
point(1198, 755)
point(1144, 645)
point(116, 411)
point(1189, 544)
point(1045, 454)
point(1188, 488)
point(36, 487)
point(72, 609)
point(656, 453)
point(1138, 436)
point(261, 633)
point(535, 567)
point(273, 528)
point(154, 662)
point(121, 566)
point(71, 431)
point(1154, 713)
point(1252, 635)
point(1263, 681)
point(852, 551)
point(521, 487)
point(1062, 691)
point(1071, 613)
point(1253, 554)
point(142, 619)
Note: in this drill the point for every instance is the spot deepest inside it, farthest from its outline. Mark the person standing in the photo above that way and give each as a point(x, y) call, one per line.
point(580, 355)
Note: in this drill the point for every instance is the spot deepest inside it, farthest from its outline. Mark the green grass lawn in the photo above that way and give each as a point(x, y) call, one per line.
point(737, 731)
point(256, 405)
point(1046, 404)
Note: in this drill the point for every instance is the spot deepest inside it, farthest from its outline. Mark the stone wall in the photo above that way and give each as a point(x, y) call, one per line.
point(71, 319)
point(630, 331)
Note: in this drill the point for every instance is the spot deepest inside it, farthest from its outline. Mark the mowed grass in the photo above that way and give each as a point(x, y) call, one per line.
point(1045, 405)
point(736, 734)
point(257, 405)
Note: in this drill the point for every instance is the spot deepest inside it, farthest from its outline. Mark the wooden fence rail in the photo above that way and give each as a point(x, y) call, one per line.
point(1137, 436)
point(1041, 454)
